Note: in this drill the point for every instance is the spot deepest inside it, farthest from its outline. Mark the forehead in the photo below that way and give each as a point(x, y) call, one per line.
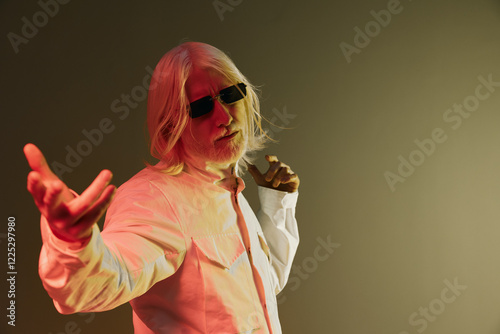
point(203, 82)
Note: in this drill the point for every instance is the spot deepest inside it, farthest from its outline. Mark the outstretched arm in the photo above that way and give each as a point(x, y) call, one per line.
point(86, 270)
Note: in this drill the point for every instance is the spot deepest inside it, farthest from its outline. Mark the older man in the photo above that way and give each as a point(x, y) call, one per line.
point(180, 242)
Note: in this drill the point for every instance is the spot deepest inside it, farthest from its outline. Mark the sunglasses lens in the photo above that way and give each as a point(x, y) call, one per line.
point(233, 94)
point(228, 95)
point(201, 107)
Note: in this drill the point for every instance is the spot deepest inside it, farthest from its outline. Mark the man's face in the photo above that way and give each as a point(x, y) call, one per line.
point(206, 138)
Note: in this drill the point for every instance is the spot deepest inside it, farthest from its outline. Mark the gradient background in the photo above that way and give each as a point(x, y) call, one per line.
point(350, 123)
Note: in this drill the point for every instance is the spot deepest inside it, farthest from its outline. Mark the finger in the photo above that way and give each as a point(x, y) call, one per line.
point(272, 159)
point(82, 228)
point(36, 188)
point(290, 178)
point(255, 172)
point(92, 193)
point(53, 198)
point(275, 167)
point(37, 161)
point(97, 209)
point(280, 175)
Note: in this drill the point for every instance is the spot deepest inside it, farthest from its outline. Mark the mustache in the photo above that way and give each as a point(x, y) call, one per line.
point(227, 133)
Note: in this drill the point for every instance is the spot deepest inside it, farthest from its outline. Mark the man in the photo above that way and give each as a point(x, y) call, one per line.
point(180, 242)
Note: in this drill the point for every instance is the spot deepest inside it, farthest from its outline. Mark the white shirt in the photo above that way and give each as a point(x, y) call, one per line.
point(186, 251)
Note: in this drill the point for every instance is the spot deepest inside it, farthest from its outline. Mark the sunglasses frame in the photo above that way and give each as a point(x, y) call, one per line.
point(201, 106)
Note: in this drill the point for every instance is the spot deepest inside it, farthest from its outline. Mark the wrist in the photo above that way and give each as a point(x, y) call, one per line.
point(76, 241)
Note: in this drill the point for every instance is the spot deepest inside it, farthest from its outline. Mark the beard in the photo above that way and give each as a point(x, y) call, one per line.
point(223, 151)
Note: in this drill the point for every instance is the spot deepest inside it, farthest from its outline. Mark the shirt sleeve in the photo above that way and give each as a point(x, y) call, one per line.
point(277, 219)
point(141, 244)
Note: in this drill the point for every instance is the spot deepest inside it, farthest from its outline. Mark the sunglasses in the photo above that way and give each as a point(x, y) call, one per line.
point(227, 95)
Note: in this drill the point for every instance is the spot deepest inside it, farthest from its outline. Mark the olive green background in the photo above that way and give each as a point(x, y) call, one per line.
point(350, 123)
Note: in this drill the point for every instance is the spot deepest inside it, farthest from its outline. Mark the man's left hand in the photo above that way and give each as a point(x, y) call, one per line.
point(279, 176)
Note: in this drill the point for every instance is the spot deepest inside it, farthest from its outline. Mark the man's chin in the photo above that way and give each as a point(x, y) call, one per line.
point(227, 155)
point(226, 159)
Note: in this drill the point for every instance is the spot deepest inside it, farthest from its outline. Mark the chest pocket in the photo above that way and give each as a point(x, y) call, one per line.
point(222, 249)
point(231, 300)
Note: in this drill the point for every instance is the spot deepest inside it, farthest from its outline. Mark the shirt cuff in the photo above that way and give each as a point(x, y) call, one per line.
point(64, 246)
point(272, 198)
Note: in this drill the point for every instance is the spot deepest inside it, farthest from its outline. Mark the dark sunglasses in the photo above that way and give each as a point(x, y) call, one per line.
point(227, 95)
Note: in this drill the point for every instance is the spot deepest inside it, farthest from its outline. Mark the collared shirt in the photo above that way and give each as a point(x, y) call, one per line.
point(188, 253)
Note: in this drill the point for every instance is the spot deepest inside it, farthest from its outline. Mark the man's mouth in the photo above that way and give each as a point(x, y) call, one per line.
point(229, 136)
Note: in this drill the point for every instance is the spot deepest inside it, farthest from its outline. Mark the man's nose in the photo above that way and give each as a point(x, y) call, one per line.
point(221, 113)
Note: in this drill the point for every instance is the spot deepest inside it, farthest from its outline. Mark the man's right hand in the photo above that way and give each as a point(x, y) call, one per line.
point(70, 218)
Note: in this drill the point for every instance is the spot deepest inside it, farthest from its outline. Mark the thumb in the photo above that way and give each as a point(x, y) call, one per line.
point(37, 161)
point(254, 171)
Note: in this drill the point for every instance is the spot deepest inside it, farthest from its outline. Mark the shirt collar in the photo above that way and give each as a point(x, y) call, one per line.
point(227, 179)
